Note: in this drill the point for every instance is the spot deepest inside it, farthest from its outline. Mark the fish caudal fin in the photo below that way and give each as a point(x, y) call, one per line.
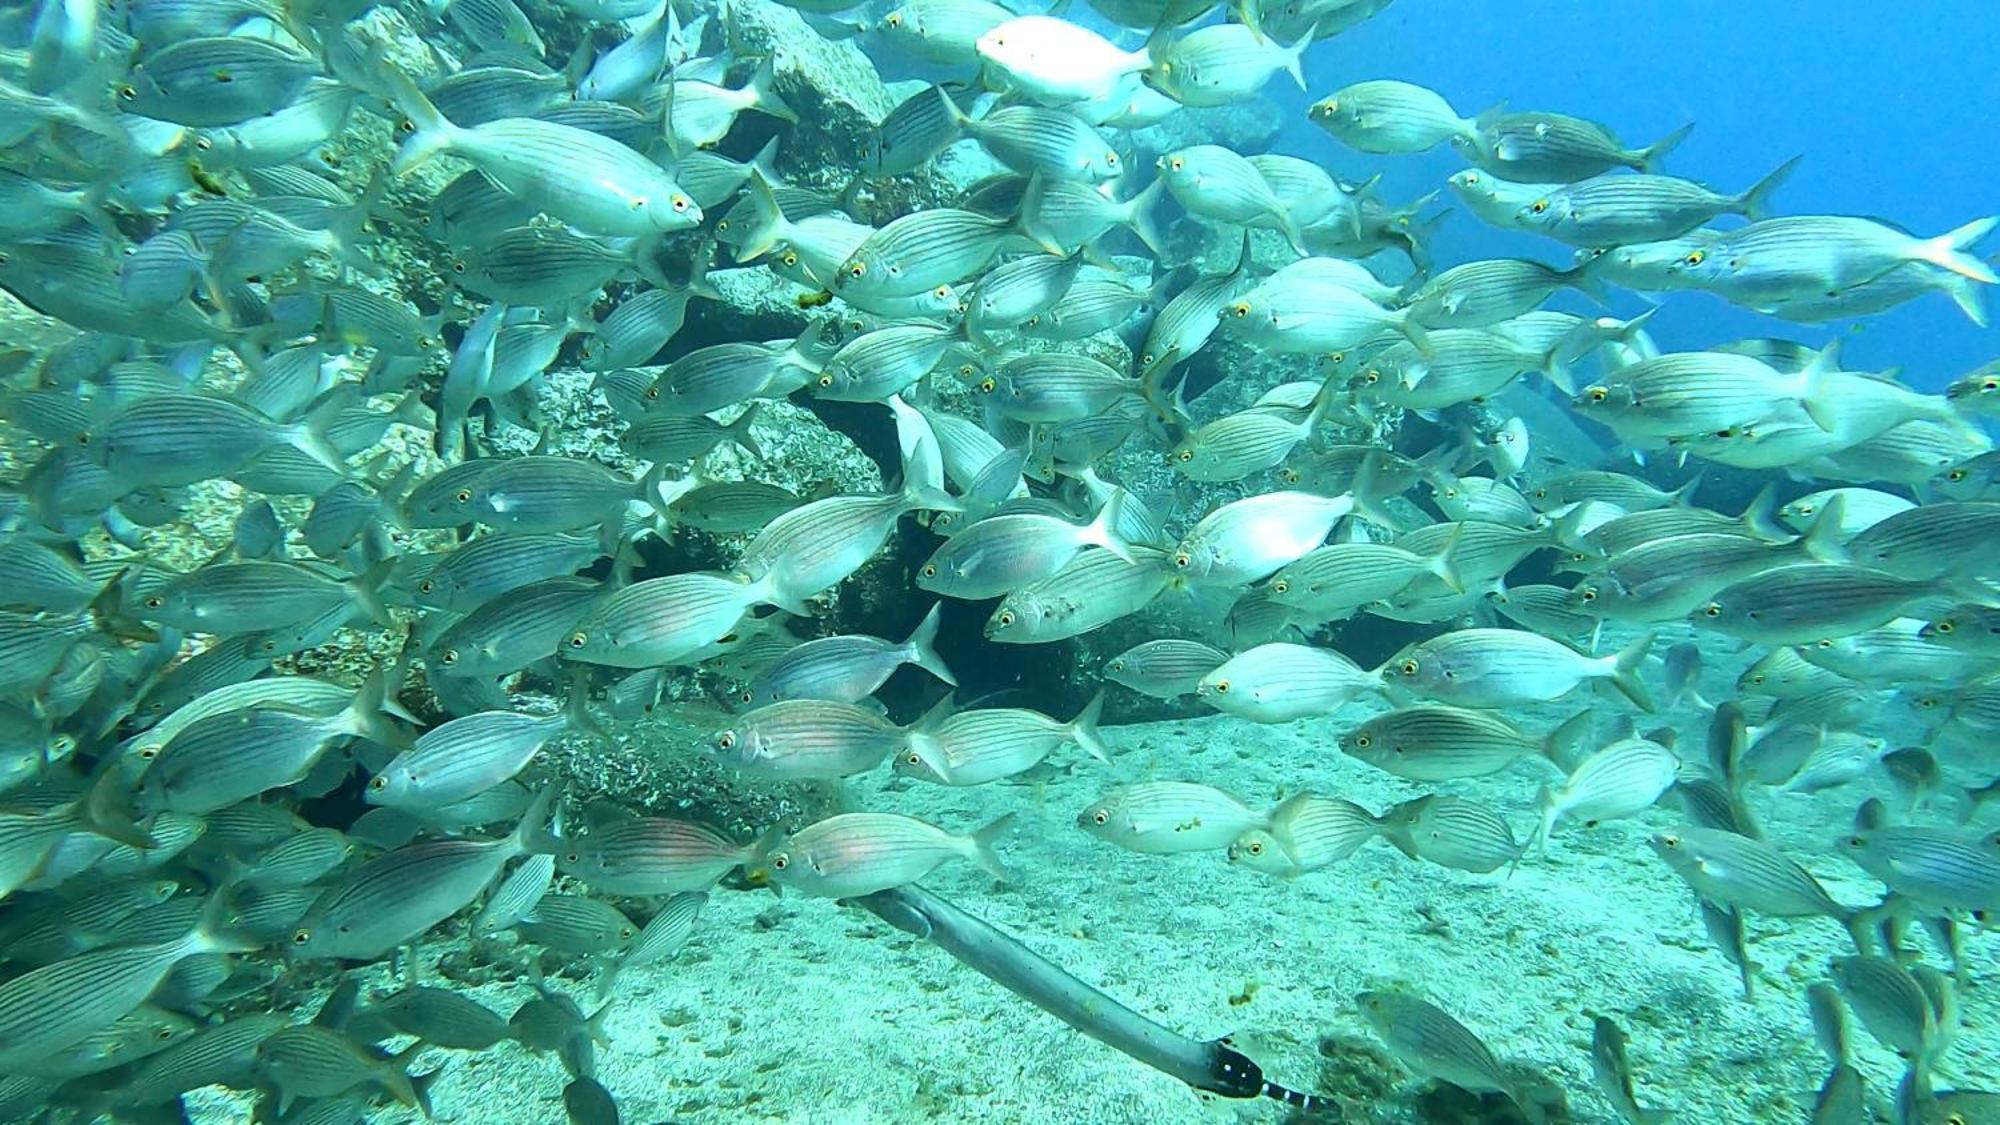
point(1625, 669)
point(1754, 204)
point(1083, 729)
point(1651, 155)
point(979, 848)
point(1950, 251)
point(920, 648)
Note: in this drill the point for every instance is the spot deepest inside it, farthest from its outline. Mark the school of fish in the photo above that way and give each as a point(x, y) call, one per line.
point(202, 197)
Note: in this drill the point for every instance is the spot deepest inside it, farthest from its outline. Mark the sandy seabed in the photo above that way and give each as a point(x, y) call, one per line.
point(801, 1010)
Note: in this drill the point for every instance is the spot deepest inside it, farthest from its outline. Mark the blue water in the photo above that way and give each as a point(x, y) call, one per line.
point(1892, 108)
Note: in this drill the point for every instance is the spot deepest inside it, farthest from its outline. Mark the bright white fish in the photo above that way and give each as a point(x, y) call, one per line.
point(1055, 61)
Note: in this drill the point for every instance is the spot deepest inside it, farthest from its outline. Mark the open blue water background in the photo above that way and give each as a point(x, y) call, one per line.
point(1896, 107)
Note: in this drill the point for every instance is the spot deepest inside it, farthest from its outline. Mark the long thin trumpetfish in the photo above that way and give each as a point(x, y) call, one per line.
point(1213, 1066)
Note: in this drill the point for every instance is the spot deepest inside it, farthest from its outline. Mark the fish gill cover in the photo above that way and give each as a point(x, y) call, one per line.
point(1353, 541)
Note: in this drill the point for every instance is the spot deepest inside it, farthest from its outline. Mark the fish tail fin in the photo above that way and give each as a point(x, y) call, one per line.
point(1822, 540)
point(1555, 368)
point(1754, 204)
point(1964, 292)
point(431, 132)
point(1818, 396)
point(1294, 54)
point(420, 1089)
point(1103, 530)
point(576, 704)
point(1684, 495)
point(1556, 745)
point(739, 431)
point(532, 835)
point(1760, 516)
point(1444, 565)
point(920, 648)
point(395, 1078)
point(979, 847)
point(369, 709)
point(367, 589)
point(212, 932)
point(1140, 219)
point(1083, 728)
point(1415, 333)
point(763, 85)
point(1651, 155)
point(106, 810)
point(766, 222)
point(309, 434)
point(1950, 251)
point(1625, 669)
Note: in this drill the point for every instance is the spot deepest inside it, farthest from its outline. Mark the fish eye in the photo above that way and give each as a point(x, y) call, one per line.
point(458, 265)
point(780, 861)
point(914, 758)
point(942, 292)
point(1280, 585)
point(1176, 163)
point(150, 752)
point(1240, 309)
point(858, 270)
point(1222, 687)
point(448, 657)
point(1597, 394)
point(681, 203)
point(579, 639)
point(465, 496)
point(1363, 741)
point(1989, 385)
point(1955, 475)
point(1111, 159)
point(426, 586)
point(1147, 359)
point(1408, 667)
point(930, 570)
point(1372, 377)
point(1712, 610)
point(726, 740)
point(987, 385)
point(1099, 816)
point(1670, 840)
point(1004, 618)
point(127, 93)
point(1806, 509)
point(1695, 257)
point(203, 143)
point(1183, 559)
point(1944, 626)
point(1184, 456)
point(378, 783)
point(1588, 594)
point(301, 937)
point(893, 19)
point(155, 602)
point(1256, 847)
point(81, 439)
point(653, 392)
point(789, 259)
point(1538, 206)
point(826, 380)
